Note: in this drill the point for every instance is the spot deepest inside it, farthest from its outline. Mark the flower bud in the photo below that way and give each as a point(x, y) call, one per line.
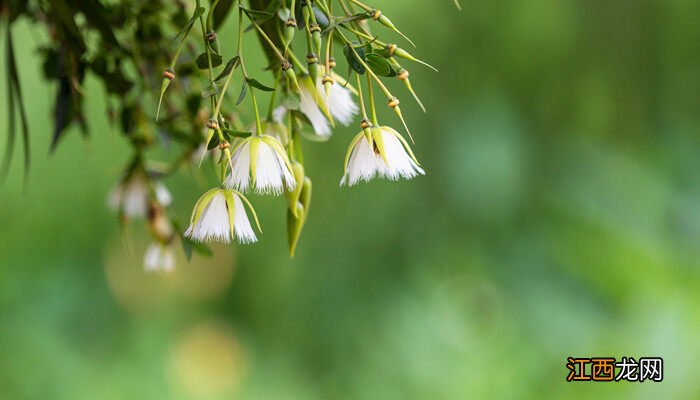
point(297, 219)
point(393, 50)
point(290, 28)
point(293, 195)
point(213, 43)
point(315, 30)
point(313, 67)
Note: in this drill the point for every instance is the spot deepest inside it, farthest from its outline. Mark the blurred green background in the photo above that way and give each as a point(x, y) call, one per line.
point(560, 216)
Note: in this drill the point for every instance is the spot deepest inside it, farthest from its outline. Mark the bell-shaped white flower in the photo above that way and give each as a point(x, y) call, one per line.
point(260, 162)
point(220, 216)
point(132, 195)
point(340, 102)
point(159, 257)
point(319, 109)
point(382, 152)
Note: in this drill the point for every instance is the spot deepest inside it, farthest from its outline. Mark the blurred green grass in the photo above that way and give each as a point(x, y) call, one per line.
point(558, 217)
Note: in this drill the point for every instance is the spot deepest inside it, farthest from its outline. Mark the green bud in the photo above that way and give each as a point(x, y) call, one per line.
point(313, 72)
point(317, 40)
point(163, 87)
point(305, 198)
point(399, 52)
point(294, 227)
point(289, 34)
point(293, 196)
point(296, 220)
point(293, 79)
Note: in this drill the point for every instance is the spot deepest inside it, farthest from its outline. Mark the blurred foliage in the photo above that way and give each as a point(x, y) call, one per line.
point(559, 217)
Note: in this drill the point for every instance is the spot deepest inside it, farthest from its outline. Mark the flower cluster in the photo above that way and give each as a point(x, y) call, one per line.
point(307, 95)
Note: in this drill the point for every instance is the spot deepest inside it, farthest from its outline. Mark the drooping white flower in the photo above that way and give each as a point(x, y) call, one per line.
point(220, 216)
point(340, 102)
point(386, 155)
point(262, 162)
point(132, 195)
point(159, 257)
point(319, 108)
point(313, 106)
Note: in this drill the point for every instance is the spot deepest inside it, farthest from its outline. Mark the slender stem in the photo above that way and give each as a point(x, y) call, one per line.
point(206, 47)
point(258, 125)
point(179, 48)
point(375, 120)
point(372, 40)
point(328, 53)
point(364, 7)
point(363, 110)
point(217, 109)
point(267, 39)
point(211, 11)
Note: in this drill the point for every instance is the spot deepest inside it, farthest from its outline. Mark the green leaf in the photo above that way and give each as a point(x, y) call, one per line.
point(213, 142)
point(336, 21)
point(231, 66)
point(353, 61)
point(236, 133)
point(244, 90)
point(203, 60)
point(258, 16)
point(256, 84)
point(379, 65)
point(188, 245)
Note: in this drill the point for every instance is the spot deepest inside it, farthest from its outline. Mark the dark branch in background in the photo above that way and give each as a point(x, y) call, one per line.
point(130, 42)
point(14, 92)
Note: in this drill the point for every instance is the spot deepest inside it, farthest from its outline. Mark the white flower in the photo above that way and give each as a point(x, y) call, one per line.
point(386, 155)
point(260, 161)
point(220, 216)
point(159, 257)
point(340, 102)
point(132, 195)
point(313, 106)
point(319, 108)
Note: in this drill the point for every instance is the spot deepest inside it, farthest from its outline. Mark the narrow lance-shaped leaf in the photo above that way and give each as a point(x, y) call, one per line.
point(256, 84)
point(184, 32)
point(14, 82)
point(203, 60)
point(355, 58)
point(244, 90)
point(231, 66)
